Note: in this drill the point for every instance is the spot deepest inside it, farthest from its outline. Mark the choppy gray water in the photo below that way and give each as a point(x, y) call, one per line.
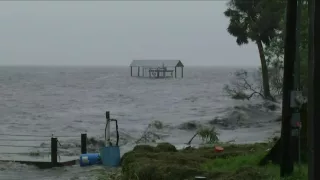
point(67, 101)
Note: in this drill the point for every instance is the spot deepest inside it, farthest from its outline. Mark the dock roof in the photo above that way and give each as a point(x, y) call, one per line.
point(156, 63)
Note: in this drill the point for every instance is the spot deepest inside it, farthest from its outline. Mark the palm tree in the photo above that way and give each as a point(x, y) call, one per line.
point(258, 21)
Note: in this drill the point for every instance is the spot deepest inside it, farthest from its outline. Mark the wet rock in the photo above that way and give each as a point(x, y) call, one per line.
point(95, 142)
point(234, 119)
point(219, 121)
point(270, 105)
point(157, 124)
point(278, 119)
point(192, 125)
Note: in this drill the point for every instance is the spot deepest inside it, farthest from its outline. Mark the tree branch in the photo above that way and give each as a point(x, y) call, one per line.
point(189, 142)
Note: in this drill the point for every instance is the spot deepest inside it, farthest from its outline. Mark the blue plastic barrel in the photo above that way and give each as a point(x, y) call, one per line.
point(110, 156)
point(90, 159)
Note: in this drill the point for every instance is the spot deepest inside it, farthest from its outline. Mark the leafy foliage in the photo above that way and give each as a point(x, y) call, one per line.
point(208, 135)
point(275, 51)
point(258, 21)
point(254, 20)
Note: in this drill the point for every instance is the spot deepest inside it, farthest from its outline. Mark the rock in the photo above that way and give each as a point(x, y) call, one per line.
point(157, 124)
point(219, 121)
point(278, 119)
point(270, 105)
point(192, 125)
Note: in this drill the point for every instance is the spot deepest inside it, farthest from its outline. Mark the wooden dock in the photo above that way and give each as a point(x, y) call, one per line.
point(157, 69)
point(42, 162)
point(160, 73)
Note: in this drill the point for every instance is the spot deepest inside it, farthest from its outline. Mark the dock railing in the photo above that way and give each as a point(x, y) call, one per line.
point(12, 141)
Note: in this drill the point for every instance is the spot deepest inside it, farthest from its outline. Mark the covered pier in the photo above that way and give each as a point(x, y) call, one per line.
point(156, 68)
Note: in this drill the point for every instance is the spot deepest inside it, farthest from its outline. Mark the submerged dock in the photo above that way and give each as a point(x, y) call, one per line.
point(41, 160)
point(156, 68)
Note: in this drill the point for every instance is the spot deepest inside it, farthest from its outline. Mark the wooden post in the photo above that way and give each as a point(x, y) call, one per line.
point(163, 73)
point(181, 72)
point(84, 143)
point(286, 166)
point(313, 90)
point(143, 71)
point(175, 72)
point(131, 70)
point(54, 151)
point(107, 114)
point(138, 71)
point(107, 129)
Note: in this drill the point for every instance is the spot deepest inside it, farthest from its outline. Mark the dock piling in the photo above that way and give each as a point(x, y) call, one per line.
point(54, 151)
point(84, 143)
point(157, 68)
point(181, 72)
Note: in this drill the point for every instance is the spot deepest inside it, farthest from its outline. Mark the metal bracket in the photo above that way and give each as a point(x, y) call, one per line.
point(297, 99)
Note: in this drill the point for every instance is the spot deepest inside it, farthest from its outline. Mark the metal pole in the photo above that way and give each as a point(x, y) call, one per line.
point(54, 151)
point(84, 143)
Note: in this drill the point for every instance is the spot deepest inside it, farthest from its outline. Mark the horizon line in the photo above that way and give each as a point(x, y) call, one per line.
point(103, 65)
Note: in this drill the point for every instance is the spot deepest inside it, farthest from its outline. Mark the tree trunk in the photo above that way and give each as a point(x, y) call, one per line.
point(265, 74)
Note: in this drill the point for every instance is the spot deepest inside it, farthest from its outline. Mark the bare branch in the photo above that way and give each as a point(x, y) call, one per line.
point(241, 88)
point(189, 142)
point(245, 87)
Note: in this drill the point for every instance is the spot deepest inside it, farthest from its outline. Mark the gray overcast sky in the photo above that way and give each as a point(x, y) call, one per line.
point(114, 33)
